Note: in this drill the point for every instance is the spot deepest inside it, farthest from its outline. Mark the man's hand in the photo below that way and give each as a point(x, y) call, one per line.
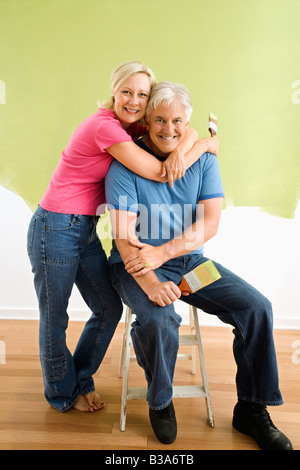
point(163, 293)
point(145, 260)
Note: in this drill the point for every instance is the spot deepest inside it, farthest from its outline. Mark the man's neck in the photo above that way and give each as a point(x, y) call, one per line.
point(160, 155)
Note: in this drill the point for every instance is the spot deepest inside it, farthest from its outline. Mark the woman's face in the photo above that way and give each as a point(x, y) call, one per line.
point(131, 99)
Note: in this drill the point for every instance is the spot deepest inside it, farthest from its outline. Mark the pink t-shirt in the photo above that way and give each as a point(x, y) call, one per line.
point(77, 184)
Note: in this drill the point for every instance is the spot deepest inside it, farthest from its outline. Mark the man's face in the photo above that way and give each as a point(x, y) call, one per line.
point(167, 126)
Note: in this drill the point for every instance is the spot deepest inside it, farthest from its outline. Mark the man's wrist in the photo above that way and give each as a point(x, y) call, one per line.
point(169, 251)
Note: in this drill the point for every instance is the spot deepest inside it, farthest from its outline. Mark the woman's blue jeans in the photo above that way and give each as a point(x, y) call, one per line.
point(155, 332)
point(65, 250)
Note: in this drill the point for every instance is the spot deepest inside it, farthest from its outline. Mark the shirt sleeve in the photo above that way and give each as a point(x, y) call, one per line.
point(211, 186)
point(120, 188)
point(111, 132)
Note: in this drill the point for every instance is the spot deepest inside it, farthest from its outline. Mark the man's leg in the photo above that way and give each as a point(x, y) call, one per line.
point(155, 338)
point(154, 334)
point(237, 303)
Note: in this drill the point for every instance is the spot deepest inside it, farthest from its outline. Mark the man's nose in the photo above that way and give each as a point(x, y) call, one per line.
point(169, 127)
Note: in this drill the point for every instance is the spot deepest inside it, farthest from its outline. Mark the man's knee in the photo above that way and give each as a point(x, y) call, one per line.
point(160, 321)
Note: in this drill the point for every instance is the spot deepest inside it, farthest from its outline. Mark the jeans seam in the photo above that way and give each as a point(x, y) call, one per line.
point(101, 327)
point(43, 253)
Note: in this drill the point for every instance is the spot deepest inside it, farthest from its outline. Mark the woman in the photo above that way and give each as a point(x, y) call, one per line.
point(63, 245)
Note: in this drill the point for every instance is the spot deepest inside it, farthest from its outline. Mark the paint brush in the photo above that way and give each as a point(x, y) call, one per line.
point(203, 275)
point(212, 124)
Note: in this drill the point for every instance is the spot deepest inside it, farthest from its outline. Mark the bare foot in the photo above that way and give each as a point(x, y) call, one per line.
point(81, 404)
point(94, 401)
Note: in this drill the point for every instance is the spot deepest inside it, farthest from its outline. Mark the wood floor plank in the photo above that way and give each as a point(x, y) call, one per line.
point(28, 422)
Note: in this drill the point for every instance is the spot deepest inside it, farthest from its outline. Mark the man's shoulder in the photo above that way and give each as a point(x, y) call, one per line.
point(117, 168)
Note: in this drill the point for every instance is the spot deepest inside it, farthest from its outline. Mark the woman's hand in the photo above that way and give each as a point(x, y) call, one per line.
point(174, 166)
point(145, 260)
point(211, 144)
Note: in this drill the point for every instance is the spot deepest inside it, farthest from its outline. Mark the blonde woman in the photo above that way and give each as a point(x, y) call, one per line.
point(64, 248)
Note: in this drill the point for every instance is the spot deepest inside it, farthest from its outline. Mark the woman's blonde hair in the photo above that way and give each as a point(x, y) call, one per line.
point(121, 73)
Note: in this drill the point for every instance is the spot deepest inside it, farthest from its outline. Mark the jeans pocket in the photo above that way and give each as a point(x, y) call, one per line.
point(54, 369)
point(30, 234)
point(61, 239)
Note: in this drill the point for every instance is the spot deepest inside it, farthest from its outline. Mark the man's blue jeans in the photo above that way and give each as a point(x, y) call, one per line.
point(63, 250)
point(155, 332)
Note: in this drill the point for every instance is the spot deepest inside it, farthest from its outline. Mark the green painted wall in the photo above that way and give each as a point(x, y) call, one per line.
point(239, 59)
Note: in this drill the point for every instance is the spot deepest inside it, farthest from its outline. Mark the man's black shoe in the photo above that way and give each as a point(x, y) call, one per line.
point(254, 420)
point(164, 424)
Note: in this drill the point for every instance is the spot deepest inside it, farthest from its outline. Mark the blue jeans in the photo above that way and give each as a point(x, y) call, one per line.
point(65, 250)
point(155, 330)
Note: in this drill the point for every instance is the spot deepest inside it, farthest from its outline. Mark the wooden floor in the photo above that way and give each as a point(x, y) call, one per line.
point(28, 422)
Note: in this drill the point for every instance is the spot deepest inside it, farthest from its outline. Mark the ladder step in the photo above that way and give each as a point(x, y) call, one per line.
point(188, 340)
point(179, 391)
point(184, 340)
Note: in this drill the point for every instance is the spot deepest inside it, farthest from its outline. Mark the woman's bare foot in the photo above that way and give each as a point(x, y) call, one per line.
point(94, 401)
point(81, 404)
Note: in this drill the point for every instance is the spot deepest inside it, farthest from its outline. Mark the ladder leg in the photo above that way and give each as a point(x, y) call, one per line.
point(192, 332)
point(203, 368)
point(126, 370)
point(122, 358)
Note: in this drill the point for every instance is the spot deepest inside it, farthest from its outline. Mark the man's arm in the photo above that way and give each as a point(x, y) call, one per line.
point(148, 257)
point(123, 226)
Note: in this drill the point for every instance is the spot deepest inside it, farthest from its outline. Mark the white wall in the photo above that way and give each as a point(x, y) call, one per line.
point(262, 249)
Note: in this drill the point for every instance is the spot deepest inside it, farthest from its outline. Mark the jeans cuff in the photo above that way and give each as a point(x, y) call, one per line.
point(161, 407)
point(259, 401)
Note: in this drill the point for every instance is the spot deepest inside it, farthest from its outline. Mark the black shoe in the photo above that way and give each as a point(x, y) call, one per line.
point(164, 424)
point(254, 420)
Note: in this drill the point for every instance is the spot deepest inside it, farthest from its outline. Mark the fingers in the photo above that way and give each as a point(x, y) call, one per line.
point(165, 294)
point(137, 243)
point(173, 173)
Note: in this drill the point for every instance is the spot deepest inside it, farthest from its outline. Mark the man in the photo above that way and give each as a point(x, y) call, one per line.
point(159, 233)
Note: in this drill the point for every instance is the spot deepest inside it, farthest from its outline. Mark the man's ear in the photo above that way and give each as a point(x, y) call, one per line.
point(187, 124)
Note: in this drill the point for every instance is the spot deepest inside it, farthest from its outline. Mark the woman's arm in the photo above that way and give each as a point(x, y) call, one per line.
point(147, 166)
point(138, 160)
point(176, 161)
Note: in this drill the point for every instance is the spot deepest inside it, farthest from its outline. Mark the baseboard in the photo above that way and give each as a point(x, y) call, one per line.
point(280, 322)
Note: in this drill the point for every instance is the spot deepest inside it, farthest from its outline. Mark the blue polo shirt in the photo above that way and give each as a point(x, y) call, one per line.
point(163, 212)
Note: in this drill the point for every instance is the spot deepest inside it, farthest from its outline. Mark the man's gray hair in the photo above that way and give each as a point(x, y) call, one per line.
point(170, 93)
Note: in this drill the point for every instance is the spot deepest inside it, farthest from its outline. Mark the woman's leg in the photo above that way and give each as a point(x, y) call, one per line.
point(53, 251)
point(93, 282)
